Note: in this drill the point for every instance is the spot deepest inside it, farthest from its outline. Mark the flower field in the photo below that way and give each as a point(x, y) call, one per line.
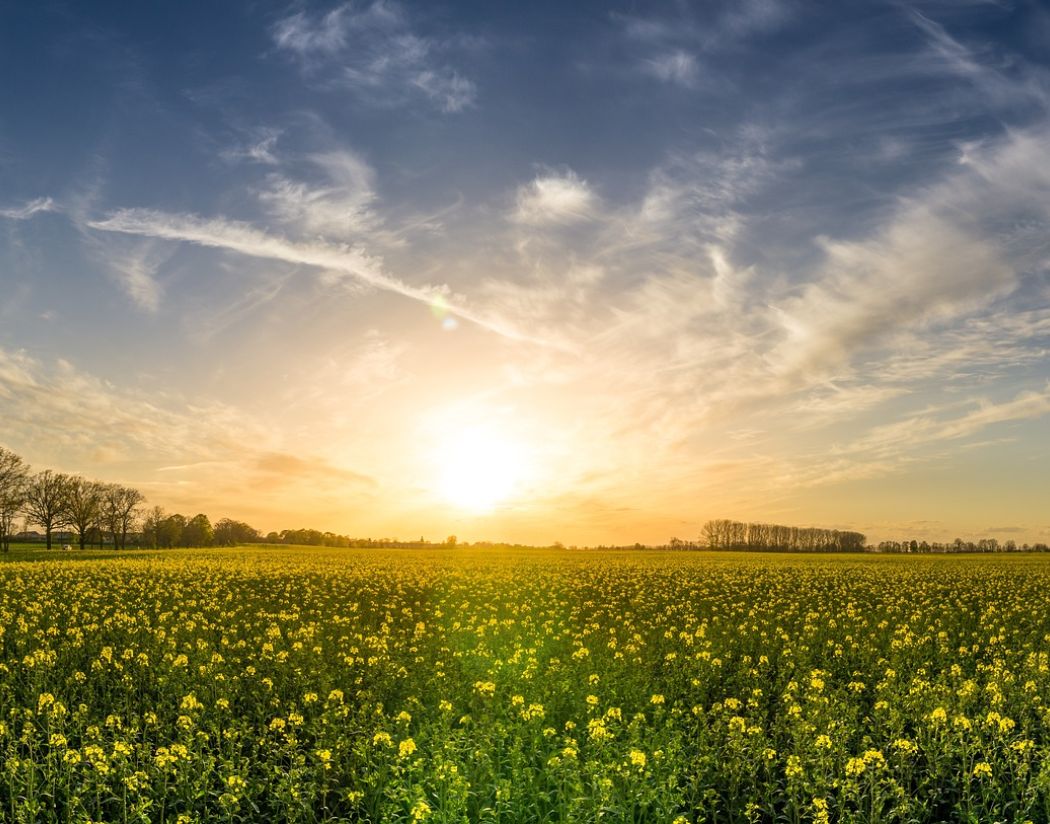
point(461, 686)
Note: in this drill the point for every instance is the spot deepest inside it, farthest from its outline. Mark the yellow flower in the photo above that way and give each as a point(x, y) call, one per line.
point(406, 748)
point(874, 758)
point(905, 747)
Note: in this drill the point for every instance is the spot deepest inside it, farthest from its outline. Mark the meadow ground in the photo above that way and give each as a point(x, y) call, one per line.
point(294, 684)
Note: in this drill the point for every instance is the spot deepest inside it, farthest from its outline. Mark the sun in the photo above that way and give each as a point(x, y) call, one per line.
point(479, 469)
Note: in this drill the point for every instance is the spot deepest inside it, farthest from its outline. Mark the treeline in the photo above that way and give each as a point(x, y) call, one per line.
point(162, 531)
point(958, 546)
point(95, 512)
point(725, 534)
point(54, 501)
point(314, 537)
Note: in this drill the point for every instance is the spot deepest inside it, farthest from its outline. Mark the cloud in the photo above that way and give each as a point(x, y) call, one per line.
point(33, 207)
point(754, 17)
point(64, 412)
point(674, 67)
point(943, 254)
point(671, 45)
point(343, 260)
point(947, 55)
point(190, 455)
point(374, 51)
point(261, 148)
point(555, 199)
point(136, 273)
point(340, 207)
point(919, 270)
point(687, 333)
point(325, 34)
point(446, 87)
point(282, 468)
point(888, 448)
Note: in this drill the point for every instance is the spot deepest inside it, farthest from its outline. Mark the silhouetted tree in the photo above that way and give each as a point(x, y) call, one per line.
point(120, 506)
point(82, 506)
point(45, 501)
point(198, 531)
point(230, 533)
point(13, 477)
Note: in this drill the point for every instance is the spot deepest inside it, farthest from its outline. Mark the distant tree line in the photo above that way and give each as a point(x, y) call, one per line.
point(53, 501)
point(314, 537)
point(958, 546)
point(737, 535)
point(726, 534)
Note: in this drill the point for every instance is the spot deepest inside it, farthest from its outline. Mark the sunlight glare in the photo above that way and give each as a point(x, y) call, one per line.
point(480, 469)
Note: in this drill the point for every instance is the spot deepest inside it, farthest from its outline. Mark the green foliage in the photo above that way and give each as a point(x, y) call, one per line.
point(321, 685)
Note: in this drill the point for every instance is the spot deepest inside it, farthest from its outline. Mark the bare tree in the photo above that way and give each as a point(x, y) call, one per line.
point(82, 505)
point(153, 526)
point(120, 507)
point(45, 501)
point(13, 476)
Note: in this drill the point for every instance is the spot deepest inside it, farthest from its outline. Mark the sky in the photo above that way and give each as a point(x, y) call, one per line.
point(547, 271)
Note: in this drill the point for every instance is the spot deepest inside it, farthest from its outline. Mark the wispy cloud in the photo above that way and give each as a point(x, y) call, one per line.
point(180, 453)
point(61, 410)
point(338, 208)
point(674, 48)
point(942, 255)
point(986, 72)
point(919, 270)
point(33, 207)
point(375, 51)
point(555, 198)
point(447, 88)
point(887, 447)
point(344, 260)
point(260, 148)
point(677, 66)
point(282, 468)
point(136, 273)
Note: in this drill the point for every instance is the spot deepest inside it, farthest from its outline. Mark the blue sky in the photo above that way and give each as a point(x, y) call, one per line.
point(761, 260)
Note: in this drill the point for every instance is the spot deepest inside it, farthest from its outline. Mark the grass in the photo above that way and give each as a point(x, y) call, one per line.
point(301, 684)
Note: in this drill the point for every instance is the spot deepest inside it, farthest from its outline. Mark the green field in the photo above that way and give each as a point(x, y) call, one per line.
point(278, 684)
